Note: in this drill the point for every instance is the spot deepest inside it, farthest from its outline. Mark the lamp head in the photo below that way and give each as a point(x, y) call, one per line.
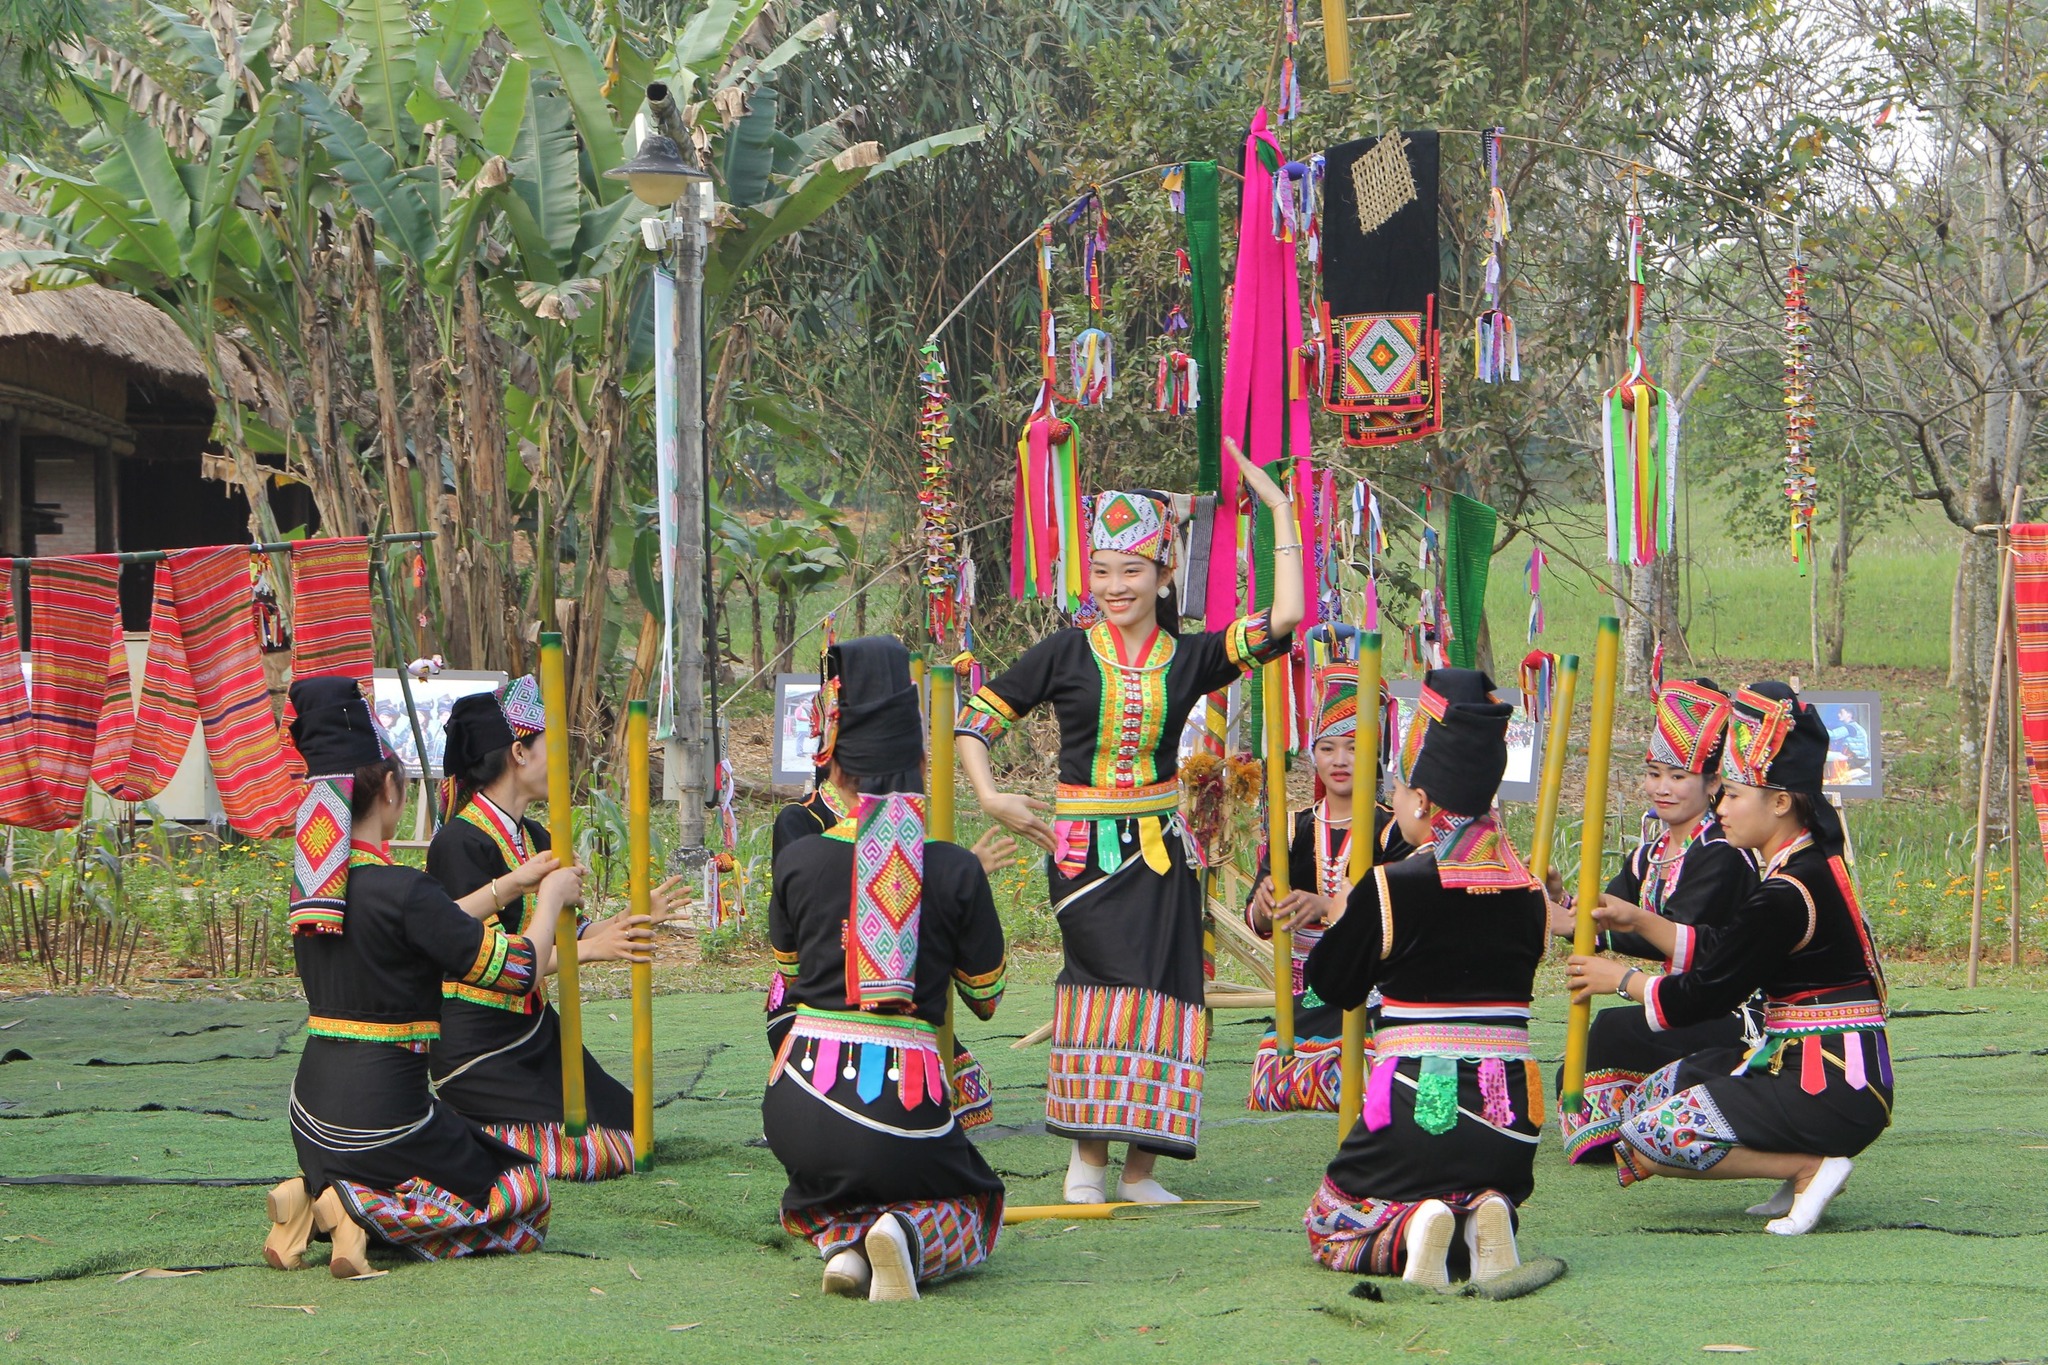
point(657, 174)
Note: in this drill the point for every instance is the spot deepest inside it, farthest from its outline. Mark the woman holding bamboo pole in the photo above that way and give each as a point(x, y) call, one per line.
point(379, 1156)
point(1682, 880)
point(1319, 859)
point(875, 927)
point(1818, 1090)
point(1451, 938)
point(1130, 1035)
point(499, 1059)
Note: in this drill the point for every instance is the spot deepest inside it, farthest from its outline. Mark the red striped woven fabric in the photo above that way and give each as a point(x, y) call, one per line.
point(138, 748)
point(252, 764)
point(2030, 619)
point(331, 609)
point(74, 611)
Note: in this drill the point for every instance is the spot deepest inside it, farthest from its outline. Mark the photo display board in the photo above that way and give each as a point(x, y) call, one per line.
point(1525, 740)
point(1855, 770)
point(796, 742)
point(432, 699)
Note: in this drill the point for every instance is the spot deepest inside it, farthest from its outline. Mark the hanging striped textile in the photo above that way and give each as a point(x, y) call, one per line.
point(252, 764)
point(331, 608)
point(138, 749)
point(74, 607)
point(2030, 621)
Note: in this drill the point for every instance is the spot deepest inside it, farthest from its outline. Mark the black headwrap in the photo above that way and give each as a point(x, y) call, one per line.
point(476, 729)
point(1456, 748)
point(880, 729)
point(332, 727)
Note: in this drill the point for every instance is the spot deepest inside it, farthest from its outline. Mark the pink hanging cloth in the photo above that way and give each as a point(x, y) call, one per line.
point(1264, 339)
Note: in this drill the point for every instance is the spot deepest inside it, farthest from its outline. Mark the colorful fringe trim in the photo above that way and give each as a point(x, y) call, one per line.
point(434, 1224)
point(600, 1154)
point(1307, 1081)
point(952, 1235)
point(1126, 1063)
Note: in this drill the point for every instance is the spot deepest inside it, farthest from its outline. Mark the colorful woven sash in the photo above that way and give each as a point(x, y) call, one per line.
point(888, 900)
point(139, 749)
point(331, 608)
point(1079, 811)
point(2030, 629)
point(46, 745)
point(1789, 1025)
point(829, 1046)
point(253, 765)
point(1441, 1046)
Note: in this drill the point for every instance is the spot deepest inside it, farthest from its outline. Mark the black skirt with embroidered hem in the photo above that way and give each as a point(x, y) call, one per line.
point(361, 1112)
point(1404, 1162)
point(1130, 1036)
point(1621, 1050)
point(499, 1066)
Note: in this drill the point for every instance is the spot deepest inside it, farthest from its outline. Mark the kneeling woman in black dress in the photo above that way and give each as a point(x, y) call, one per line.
point(499, 1058)
point(1819, 1088)
point(1451, 936)
point(380, 1156)
point(879, 924)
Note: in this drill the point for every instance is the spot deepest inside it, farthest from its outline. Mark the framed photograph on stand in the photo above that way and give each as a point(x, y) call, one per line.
point(796, 743)
point(1855, 769)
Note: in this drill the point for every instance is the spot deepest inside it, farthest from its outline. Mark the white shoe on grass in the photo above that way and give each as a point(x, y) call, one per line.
point(890, 1261)
point(847, 1273)
point(1812, 1201)
point(1146, 1191)
point(1490, 1239)
point(1428, 1242)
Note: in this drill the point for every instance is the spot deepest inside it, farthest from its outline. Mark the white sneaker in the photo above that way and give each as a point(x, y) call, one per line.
point(890, 1261)
point(1085, 1181)
point(1811, 1202)
point(847, 1273)
point(1146, 1191)
point(1779, 1204)
point(1429, 1242)
point(1490, 1239)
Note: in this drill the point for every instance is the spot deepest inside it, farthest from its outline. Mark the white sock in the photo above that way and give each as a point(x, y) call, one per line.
point(1811, 1202)
point(1085, 1179)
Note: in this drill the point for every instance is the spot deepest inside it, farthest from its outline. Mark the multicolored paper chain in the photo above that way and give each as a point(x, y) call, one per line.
point(1801, 486)
point(937, 507)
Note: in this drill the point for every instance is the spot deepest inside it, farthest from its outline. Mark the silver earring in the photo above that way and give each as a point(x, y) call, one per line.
point(1164, 591)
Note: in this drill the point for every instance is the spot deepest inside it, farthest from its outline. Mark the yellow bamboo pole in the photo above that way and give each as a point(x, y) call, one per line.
point(1278, 838)
point(1039, 1213)
point(639, 858)
point(1592, 843)
point(1337, 45)
point(939, 811)
point(1556, 744)
point(1365, 791)
point(554, 693)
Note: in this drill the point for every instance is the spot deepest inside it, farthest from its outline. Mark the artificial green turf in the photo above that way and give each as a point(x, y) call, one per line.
point(1934, 1252)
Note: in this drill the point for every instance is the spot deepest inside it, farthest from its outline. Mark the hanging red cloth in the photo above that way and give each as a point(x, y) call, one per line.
point(331, 609)
point(138, 749)
point(46, 744)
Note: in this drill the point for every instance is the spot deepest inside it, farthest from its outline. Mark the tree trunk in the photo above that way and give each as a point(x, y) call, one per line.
point(398, 487)
point(1639, 628)
point(485, 557)
point(756, 662)
point(605, 442)
point(1838, 578)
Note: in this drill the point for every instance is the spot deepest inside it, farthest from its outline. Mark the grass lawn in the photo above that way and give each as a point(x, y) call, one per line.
point(1932, 1254)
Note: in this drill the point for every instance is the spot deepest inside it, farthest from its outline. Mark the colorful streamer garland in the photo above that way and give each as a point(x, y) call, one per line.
point(936, 504)
point(1801, 487)
point(1496, 354)
point(1533, 576)
point(1639, 440)
point(1539, 684)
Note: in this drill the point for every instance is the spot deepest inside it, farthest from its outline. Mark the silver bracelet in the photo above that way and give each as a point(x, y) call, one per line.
point(1287, 549)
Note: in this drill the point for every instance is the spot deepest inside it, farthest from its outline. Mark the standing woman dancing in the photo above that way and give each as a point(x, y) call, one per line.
point(499, 1057)
point(1819, 1089)
point(380, 1156)
point(1129, 1034)
point(1682, 880)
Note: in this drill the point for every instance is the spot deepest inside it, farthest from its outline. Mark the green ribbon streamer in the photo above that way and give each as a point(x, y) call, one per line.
point(1436, 1095)
point(1468, 558)
point(1205, 334)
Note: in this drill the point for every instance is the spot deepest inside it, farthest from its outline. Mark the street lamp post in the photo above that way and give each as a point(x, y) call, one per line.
point(661, 178)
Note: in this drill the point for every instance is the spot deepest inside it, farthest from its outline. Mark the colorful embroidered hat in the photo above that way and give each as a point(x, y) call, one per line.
point(335, 734)
point(521, 703)
point(1456, 745)
point(1132, 524)
point(1336, 701)
point(1692, 721)
point(1776, 740)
